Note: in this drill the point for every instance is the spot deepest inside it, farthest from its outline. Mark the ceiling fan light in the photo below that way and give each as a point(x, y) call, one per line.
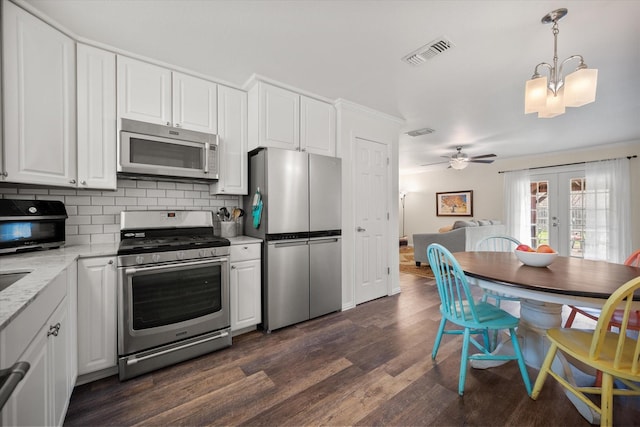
point(535, 95)
point(555, 105)
point(580, 87)
point(458, 164)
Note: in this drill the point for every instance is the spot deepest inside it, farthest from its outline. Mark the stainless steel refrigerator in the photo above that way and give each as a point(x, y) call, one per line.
point(300, 223)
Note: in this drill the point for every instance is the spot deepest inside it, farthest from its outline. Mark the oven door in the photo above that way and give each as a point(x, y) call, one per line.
point(162, 304)
point(156, 155)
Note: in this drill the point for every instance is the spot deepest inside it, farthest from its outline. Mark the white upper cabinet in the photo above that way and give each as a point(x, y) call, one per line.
point(144, 92)
point(153, 94)
point(194, 103)
point(278, 117)
point(39, 101)
point(232, 130)
point(282, 118)
point(317, 127)
point(96, 118)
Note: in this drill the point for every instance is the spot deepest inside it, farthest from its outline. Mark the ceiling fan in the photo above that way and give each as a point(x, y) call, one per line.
point(461, 160)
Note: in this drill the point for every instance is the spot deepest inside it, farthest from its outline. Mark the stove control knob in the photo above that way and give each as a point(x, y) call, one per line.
point(180, 255)
point(155, 257)
point(202, 254)
point(139, 259)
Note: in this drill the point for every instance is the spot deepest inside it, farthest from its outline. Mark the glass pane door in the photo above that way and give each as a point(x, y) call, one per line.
point(558, 211)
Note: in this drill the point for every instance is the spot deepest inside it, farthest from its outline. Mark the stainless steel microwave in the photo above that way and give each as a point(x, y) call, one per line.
point(152, 150)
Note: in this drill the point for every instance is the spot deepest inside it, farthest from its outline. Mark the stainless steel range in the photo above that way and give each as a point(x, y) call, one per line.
point(173, 289)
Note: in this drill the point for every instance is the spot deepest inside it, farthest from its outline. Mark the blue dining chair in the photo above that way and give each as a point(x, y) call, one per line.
point(476, 318)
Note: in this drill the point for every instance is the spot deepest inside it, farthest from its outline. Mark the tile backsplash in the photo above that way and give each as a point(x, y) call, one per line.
point(94, 215)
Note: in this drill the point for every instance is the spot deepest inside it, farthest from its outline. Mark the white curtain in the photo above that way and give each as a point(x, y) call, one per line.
point(517, 205)
point(608, 210)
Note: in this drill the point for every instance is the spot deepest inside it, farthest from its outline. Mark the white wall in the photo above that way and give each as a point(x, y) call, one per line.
point(355, 121)
point(487, 185)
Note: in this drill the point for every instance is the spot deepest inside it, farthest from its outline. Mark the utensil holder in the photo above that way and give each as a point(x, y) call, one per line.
point(228, 229)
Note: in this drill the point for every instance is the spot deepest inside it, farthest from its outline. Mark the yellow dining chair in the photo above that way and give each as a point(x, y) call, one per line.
point(615, 354)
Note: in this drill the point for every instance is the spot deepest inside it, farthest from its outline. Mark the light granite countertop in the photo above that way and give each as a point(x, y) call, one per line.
point(44, 266)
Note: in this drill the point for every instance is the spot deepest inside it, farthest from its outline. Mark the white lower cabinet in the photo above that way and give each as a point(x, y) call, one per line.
point(42, 397)
point(97, 310)
point(245, 286)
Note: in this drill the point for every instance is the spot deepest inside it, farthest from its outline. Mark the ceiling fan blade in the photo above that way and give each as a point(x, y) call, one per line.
point(432, 164)
point(480, 161)
point(484, 156)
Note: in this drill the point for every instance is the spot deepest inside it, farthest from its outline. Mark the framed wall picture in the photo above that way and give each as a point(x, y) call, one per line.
point(458, 203)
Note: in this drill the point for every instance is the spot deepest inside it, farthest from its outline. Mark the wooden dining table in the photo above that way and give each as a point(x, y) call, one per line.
point(542, 291)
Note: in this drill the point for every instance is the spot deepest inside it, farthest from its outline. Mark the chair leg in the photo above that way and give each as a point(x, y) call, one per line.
point(436, 344)
point(544, 371)
point(606, 406)
point(521, 364)
point(464, 361)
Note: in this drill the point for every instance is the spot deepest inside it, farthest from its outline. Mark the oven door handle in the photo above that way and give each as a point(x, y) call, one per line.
point(133, 270)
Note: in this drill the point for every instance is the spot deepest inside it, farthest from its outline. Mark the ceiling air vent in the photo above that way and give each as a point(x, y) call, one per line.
point(428, 51)
point(423, 131)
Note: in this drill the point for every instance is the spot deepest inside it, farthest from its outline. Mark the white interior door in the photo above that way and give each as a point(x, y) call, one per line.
point(371, 258)
point(557, 211)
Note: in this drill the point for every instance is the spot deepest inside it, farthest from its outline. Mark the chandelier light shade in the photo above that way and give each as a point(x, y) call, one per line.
point(550, 95)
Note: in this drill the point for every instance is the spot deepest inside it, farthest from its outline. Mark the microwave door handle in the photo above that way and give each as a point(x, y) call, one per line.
point(207, 147)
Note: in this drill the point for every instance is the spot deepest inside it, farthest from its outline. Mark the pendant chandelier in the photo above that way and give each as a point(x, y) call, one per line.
point(549, 95)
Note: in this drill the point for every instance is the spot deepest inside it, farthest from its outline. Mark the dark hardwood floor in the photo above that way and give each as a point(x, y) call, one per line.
point(367, 366)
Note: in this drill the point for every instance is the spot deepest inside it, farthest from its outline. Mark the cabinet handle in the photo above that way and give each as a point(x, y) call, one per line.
point(168, 123)
point(54, 329)
point(73, 181)
point(233, 267)
point(83, 182)
point(110, 262)
point(177, 125)
point(5, 174)
point(245, 247)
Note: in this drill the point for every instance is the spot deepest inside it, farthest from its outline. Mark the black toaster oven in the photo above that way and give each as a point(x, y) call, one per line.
point(31, 224)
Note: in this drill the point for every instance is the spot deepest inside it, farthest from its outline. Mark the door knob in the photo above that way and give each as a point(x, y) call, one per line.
point(360, 229)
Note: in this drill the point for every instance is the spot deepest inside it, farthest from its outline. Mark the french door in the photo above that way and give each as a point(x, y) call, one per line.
point(558, 211)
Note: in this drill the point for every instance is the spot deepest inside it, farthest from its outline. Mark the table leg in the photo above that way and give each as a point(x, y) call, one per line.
point(535, 318)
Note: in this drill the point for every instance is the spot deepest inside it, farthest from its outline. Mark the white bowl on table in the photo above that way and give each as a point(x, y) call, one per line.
point(536, 259)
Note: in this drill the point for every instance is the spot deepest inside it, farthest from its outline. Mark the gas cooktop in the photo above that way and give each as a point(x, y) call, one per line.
point(138, 245)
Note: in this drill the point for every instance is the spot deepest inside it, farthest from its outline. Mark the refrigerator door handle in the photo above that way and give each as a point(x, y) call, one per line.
point(360, 229)
point(289, 243)
point(314, 242)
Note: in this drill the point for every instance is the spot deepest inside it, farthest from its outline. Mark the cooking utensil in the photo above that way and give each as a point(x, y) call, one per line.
point(236, 213)
point(224, 213)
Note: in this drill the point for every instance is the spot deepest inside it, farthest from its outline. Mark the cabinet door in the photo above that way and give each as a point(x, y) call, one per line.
point(96, 314)
point(245, 294)
point(39, 101)
point(144, 91)
point(232, 129)
point(28, 404)
point(317, 127)
point(96, 118)
point(194, 103)
point(59, 331)
point(279, 117)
